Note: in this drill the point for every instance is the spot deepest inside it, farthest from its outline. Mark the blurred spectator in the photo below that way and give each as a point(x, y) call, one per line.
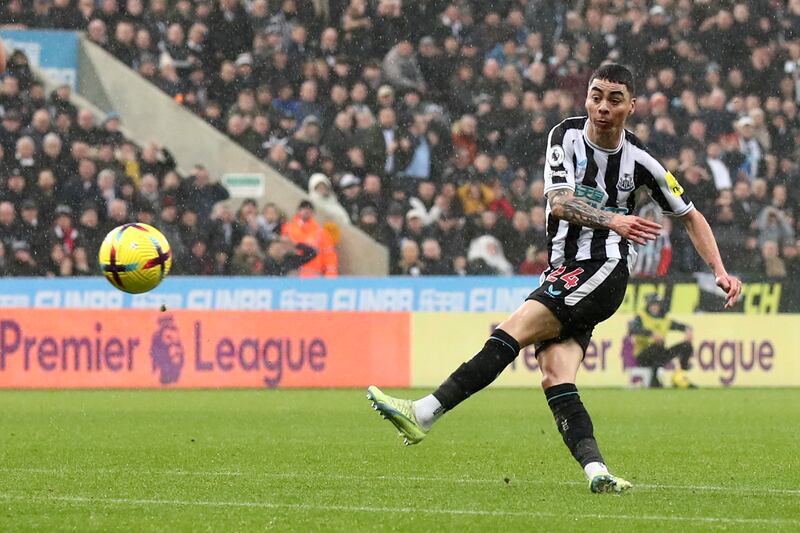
point(321, 193)
point(433, 262)
point(485, 257)
point(304, 228)
point(285, 257)
point(22, 262)
point(409, 263)
point(248, 258)
point(655, 257)
point(773, 226)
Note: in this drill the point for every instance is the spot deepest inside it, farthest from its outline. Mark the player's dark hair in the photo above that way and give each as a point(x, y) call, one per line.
point(615, 73)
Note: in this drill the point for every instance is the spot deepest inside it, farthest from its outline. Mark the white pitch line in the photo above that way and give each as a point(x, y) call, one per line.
point(394, 478)
point(81, 500)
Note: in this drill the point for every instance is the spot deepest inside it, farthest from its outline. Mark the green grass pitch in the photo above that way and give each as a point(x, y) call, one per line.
point(320, 460)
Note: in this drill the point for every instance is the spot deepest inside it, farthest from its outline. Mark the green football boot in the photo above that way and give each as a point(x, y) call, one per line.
point(609, 483)
point(399, 412)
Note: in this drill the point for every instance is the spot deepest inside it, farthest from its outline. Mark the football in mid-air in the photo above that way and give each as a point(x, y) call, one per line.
point(135, 257)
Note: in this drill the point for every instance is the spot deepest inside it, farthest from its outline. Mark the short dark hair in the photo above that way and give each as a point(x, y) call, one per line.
point(615, 73)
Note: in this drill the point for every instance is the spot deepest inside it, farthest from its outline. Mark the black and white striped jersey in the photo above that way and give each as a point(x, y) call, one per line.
point(605, 179)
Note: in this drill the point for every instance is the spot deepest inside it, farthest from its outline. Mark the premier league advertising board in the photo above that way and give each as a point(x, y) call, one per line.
point(350, 332)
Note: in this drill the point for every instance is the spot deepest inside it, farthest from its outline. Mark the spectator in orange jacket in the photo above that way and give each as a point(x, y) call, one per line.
point(303, 228)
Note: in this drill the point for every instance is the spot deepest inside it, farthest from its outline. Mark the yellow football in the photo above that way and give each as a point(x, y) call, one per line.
point(135, 257)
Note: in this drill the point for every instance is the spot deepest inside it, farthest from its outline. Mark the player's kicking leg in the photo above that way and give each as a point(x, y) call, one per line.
point(413, 419)
point(559, 363)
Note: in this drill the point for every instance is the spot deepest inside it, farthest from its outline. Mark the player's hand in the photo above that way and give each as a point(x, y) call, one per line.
point(732, 287)
point(636, 229)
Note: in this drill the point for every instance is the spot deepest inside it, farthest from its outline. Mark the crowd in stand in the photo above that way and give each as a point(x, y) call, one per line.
point(423, 123)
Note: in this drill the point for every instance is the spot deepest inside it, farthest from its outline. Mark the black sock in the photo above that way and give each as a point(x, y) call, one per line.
point(480, 371)
point(573, 422)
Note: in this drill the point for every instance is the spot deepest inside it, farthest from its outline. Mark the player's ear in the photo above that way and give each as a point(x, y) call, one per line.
point(633, 107)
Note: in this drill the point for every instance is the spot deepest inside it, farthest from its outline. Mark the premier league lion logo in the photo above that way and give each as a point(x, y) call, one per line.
point(166, 351)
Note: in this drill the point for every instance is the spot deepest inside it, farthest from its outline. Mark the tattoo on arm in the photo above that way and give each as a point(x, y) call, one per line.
point(577, 211)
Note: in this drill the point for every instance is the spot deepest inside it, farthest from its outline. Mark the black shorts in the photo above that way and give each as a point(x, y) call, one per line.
point(581, 294)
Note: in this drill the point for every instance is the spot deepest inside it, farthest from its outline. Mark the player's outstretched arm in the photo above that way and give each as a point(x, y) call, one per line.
point(705, 244)
point(565, 206)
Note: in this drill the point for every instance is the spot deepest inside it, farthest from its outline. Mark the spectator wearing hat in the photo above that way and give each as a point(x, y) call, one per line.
point(31, 229)
point(350, 195)
point(304, 228)
point(10, 130)
point(169, 225)
point(109, 132)
point(321, 193)
point(13, 188)
point(368, 222)
point(63, 231)
point(22, 262)
point(415, 228)
point(749, 147)
point(91, 229)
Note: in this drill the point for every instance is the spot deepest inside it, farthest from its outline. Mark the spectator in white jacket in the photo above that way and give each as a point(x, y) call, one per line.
point(425, 202)
point(321, 193)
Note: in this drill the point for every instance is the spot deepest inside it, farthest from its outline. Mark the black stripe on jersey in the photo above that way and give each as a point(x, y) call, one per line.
point(643, 176)
point(552, 229)
point(611, 179)
point(574, 232)
point(571, 242)
point(558, 132)
point(590, 178)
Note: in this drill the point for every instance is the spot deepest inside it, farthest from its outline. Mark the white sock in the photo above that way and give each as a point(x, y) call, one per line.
point(428, 410)
point(595, 468)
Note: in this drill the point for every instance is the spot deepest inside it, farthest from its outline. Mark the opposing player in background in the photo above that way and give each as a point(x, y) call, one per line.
point(592, 171)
